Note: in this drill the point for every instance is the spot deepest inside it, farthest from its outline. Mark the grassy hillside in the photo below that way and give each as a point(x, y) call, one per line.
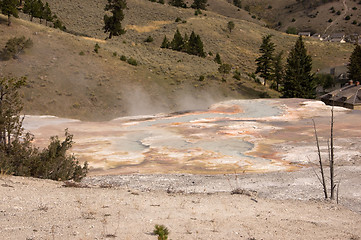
point(309, 15)
point(91, 86)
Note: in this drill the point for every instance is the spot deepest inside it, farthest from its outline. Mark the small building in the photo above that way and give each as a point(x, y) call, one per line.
point(338, 37)
point(304, 34)
point(348, 96)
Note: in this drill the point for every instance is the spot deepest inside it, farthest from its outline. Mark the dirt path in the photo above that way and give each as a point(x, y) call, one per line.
point(342, 16)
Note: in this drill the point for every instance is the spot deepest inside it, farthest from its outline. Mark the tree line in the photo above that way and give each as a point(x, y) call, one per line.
point(192, 45)
point(34, 8)
point(294, 80)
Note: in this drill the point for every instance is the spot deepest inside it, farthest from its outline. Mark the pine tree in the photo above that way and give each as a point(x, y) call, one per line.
point(9, 8)
point(47, 15)
point(299, 81)
point(112, 24)
point(199, 4)
point(230, 26)
point(265, 61)
point(278, 70)
point(165, 43)
point(39, 10)
point(177, 43)
point(217, 59)
point(177, 3)
point(195, 45)
point(354, 67)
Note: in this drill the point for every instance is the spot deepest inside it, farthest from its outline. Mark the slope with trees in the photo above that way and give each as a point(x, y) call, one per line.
point(354, 66)
point(112, 24)
point(9, 8)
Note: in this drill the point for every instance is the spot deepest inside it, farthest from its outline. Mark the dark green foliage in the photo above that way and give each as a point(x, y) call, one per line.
point(299, 81)
point(325, 80)
point(278, 71)
point(165, 43)
point(81, 53)
point(161, 231)
point(47, 15)
point(177, 3)
point(330, 20)
point(354, 66)
point(230, 26)
point(115, 54)
point(292, 30)
point(177, 42)
point(354, 22)
point(293, 20)
point(199, 4)
point(149, 39)
point(14, 46)
point(112, 24)
point(237, 3)
point(9, 8)
point(178, 19)
point(265, 61)
point(194, 45)
point(197, 12)
point(237, 75)
point(58, 24)
point(161, 1)
point(132, 61)
point(96, 48)
point(338, 12)
point(225, 68)
point(55, 164)
point(123, 58)
point(201, 78)
point(217, 59)
point(347, 18)
point(18, 156)
point(34, 8)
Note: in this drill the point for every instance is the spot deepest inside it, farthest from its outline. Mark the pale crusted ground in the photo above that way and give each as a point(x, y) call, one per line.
point(43, 209)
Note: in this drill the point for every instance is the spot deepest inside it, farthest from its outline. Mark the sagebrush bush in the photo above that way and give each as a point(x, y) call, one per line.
point(132, 61)
point(14, 46)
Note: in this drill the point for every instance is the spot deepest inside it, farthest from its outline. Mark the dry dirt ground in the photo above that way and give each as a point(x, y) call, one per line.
point(191, 207)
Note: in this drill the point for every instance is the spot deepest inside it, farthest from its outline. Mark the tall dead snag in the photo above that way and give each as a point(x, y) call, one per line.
point(322, 180)
point(333, 185)
point(330, 147)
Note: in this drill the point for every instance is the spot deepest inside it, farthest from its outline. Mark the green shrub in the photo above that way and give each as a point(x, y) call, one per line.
point(161, 1)
point(149, 39)
point(201, 78)
point(161, 231)
point(225, 68)
point(81, 53)
point(17, 154)
point(96, 48)
point(14, 46)
point(347, 18)
point(123, 58)
point(237, 75)
point(132, 61)
point(178, 19)
point(115, 54)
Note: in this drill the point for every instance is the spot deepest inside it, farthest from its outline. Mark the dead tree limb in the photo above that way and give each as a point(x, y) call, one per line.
point(322, 180)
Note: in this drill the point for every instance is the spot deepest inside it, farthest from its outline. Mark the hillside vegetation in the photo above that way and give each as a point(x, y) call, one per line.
point(322, 16)
point(67, 78)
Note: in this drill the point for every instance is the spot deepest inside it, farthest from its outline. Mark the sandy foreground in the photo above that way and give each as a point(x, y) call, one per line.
point(44, 209)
